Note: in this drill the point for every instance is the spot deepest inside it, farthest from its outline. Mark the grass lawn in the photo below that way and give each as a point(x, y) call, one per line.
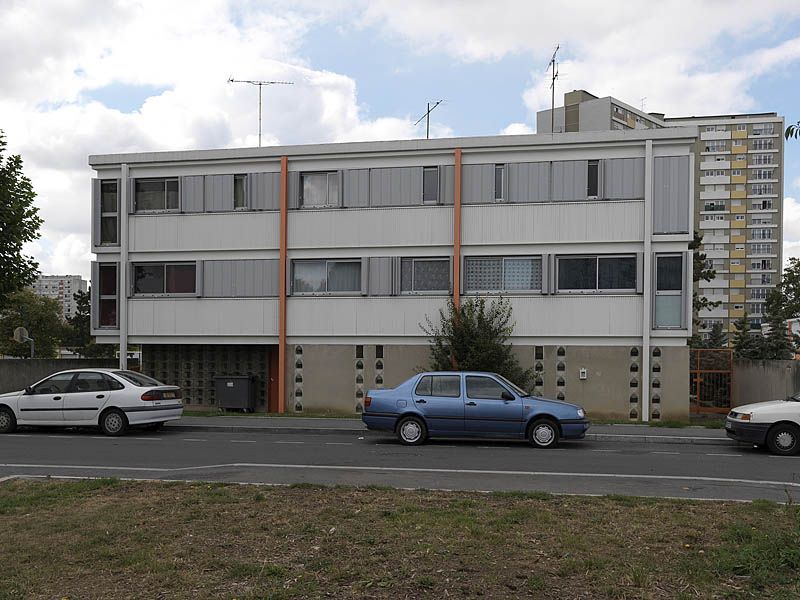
point(116, 539)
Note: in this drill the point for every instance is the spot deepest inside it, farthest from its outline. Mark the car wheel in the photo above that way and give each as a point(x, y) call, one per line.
point(113, 422)
point(411, 431)
point(784, 439)
point(543, 433)
point(8, 422)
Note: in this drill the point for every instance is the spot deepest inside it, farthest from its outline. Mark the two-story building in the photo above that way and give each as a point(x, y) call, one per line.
point(313, 267)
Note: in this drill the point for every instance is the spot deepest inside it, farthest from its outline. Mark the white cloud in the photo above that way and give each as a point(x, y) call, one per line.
point(517, 129)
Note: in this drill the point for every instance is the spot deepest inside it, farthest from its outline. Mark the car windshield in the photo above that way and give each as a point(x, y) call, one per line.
point(137, 379)
point(518, 390)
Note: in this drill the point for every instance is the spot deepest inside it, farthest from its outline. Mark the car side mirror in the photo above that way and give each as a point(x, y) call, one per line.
point(506, 395)
point(29, 390)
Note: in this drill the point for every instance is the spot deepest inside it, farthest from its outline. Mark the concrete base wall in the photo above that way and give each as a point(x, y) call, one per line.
point(762, 380)
point(16, 374)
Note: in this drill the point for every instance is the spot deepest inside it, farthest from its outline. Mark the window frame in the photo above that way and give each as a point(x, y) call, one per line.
point(101, 296)
point(438, 186)
point(490, 378)
point(328, 205)
point(596, 164)
point(503, 259)
point(414, 260)
point(327, 261)
point(502, 169)
point(165, 293)
point(671, 293)
point(432, 376)
point(165, 180)
point(243, 178)
point(597, 290)
point(109, 214)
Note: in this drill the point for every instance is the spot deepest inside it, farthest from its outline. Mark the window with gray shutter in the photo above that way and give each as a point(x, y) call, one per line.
point(425, 275)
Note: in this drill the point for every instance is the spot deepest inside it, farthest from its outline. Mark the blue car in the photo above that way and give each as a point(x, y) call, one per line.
point(470, 404)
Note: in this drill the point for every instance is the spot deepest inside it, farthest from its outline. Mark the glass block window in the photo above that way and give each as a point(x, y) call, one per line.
point(425, 275)
point(501, 274)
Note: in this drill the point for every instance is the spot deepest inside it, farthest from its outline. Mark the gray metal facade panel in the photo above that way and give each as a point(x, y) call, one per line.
point(477, 184)
point(192, 193)
point(671, 202)
point(293, 195)
point(218, 193)
point(447, 184)
point(356, 188)
point(264, 190)
point(381, 275)
point(623, 178)
point(94, 299)
point(527, 182)
point(569, 180)
point(248, 278)
point(395, 186)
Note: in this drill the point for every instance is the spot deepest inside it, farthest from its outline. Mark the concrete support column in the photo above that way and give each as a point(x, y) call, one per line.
point(647, 287)
point(122, 269)
point(457, 229)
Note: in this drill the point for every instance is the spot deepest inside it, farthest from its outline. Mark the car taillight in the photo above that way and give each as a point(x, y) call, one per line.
point(152, 395)
point(162, 395)
point(367, 401)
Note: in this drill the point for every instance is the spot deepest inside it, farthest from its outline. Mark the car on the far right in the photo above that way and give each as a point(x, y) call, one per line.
point(775, 424)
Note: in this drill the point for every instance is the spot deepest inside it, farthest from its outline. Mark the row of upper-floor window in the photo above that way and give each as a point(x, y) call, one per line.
point(753, 144)
point(756, 128)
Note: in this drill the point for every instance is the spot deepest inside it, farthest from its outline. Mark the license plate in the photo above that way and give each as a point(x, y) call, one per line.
point(728, 426)
point(168, 395)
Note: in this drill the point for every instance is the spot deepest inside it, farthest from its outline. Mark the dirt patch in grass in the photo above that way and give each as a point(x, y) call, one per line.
point(112, 539)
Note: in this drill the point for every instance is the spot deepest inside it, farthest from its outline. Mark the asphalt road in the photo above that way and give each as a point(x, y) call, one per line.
point(585, 467)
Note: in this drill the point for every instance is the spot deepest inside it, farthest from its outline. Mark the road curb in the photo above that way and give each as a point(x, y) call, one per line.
point(597, 437)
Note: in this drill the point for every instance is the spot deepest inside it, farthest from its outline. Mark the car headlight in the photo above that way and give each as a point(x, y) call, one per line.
point(581, 413)
point(745, 416)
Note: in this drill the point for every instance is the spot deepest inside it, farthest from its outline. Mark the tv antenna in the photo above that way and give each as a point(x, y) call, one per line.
point(643, 101)
point(427, 117)
point(260, 84)
point(553, 64)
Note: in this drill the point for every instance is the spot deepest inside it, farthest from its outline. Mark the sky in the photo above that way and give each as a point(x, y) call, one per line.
point(82, 77)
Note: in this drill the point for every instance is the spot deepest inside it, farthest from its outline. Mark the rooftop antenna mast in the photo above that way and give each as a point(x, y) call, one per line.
point(427, 117)
point(553, 64)
point(260, 84)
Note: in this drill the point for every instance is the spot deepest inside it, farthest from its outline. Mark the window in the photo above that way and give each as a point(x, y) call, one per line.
point(502, 274)
point(760, 248)
point(91, 382)
point(57, 384)
point(326, 276)
point(766, 278)
point(762, 234)
point(741, 217)
point(738, 143)
point(137, 379)
point(762, 221)
point(762, 174)
point(762, 145)
point(499, 191)
point(109, 212)
point(107, 298)
point(161, 278)
point(713, 205)
point(755, 308)
point(736, 172)
point(443, 386)
point(669, 286)
point(593, 177)
point(760, 189)
point(596, 274)
point(715, 146)
point(425, 275)
point(319, 190)
point(763, 129)
point(156, 194)
point(759, 293)
point(762, 204)
point(430, 185)
point(485, 388)
point(741, 127)
point(763, 264)
point(762, 159)
point(239, 195)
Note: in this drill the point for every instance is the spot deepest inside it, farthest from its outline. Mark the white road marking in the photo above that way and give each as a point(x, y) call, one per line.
point(714, 454)
point(605, 450)
point(755, 482)
point(148, 438)
point(242, 441)
point(20, 435)
point(62, 436)
point(775, 456)
point(338, 443)
point(287, 442)
point(193, 440)
point(663, 452)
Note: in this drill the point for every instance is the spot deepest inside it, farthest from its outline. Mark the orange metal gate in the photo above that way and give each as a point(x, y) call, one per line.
point(710, 375)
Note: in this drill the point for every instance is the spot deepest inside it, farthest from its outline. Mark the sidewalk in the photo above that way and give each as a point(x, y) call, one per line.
point(603, 433)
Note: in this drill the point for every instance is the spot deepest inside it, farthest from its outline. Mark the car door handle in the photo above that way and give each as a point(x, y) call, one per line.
point(422, 401)
point(56, 397)
point(100, 396)
point(470, 404)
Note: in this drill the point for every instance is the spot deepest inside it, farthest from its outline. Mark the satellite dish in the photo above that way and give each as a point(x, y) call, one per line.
point(21, 335)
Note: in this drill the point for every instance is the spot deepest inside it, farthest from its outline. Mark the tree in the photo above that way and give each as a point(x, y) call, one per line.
point(777, 345)
point(79, 335)
point(789, 288)
point(475, 337)
point(700, 272)
point(19, 223)
point(746, 344)
point(792, 131)
point(717, 338)
point(40, 316)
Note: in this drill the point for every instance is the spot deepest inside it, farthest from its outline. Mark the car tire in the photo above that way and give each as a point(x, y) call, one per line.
point(113, 422)
point(543, 433)
point(8, 422)
point(784, 439)
point(411, 431)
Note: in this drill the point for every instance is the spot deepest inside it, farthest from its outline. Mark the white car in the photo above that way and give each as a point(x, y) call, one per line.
point(107, 398)
point(775, 424)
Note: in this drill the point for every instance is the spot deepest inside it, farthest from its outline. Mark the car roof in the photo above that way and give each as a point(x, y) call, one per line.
point(96, 369)
point(457, 373)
